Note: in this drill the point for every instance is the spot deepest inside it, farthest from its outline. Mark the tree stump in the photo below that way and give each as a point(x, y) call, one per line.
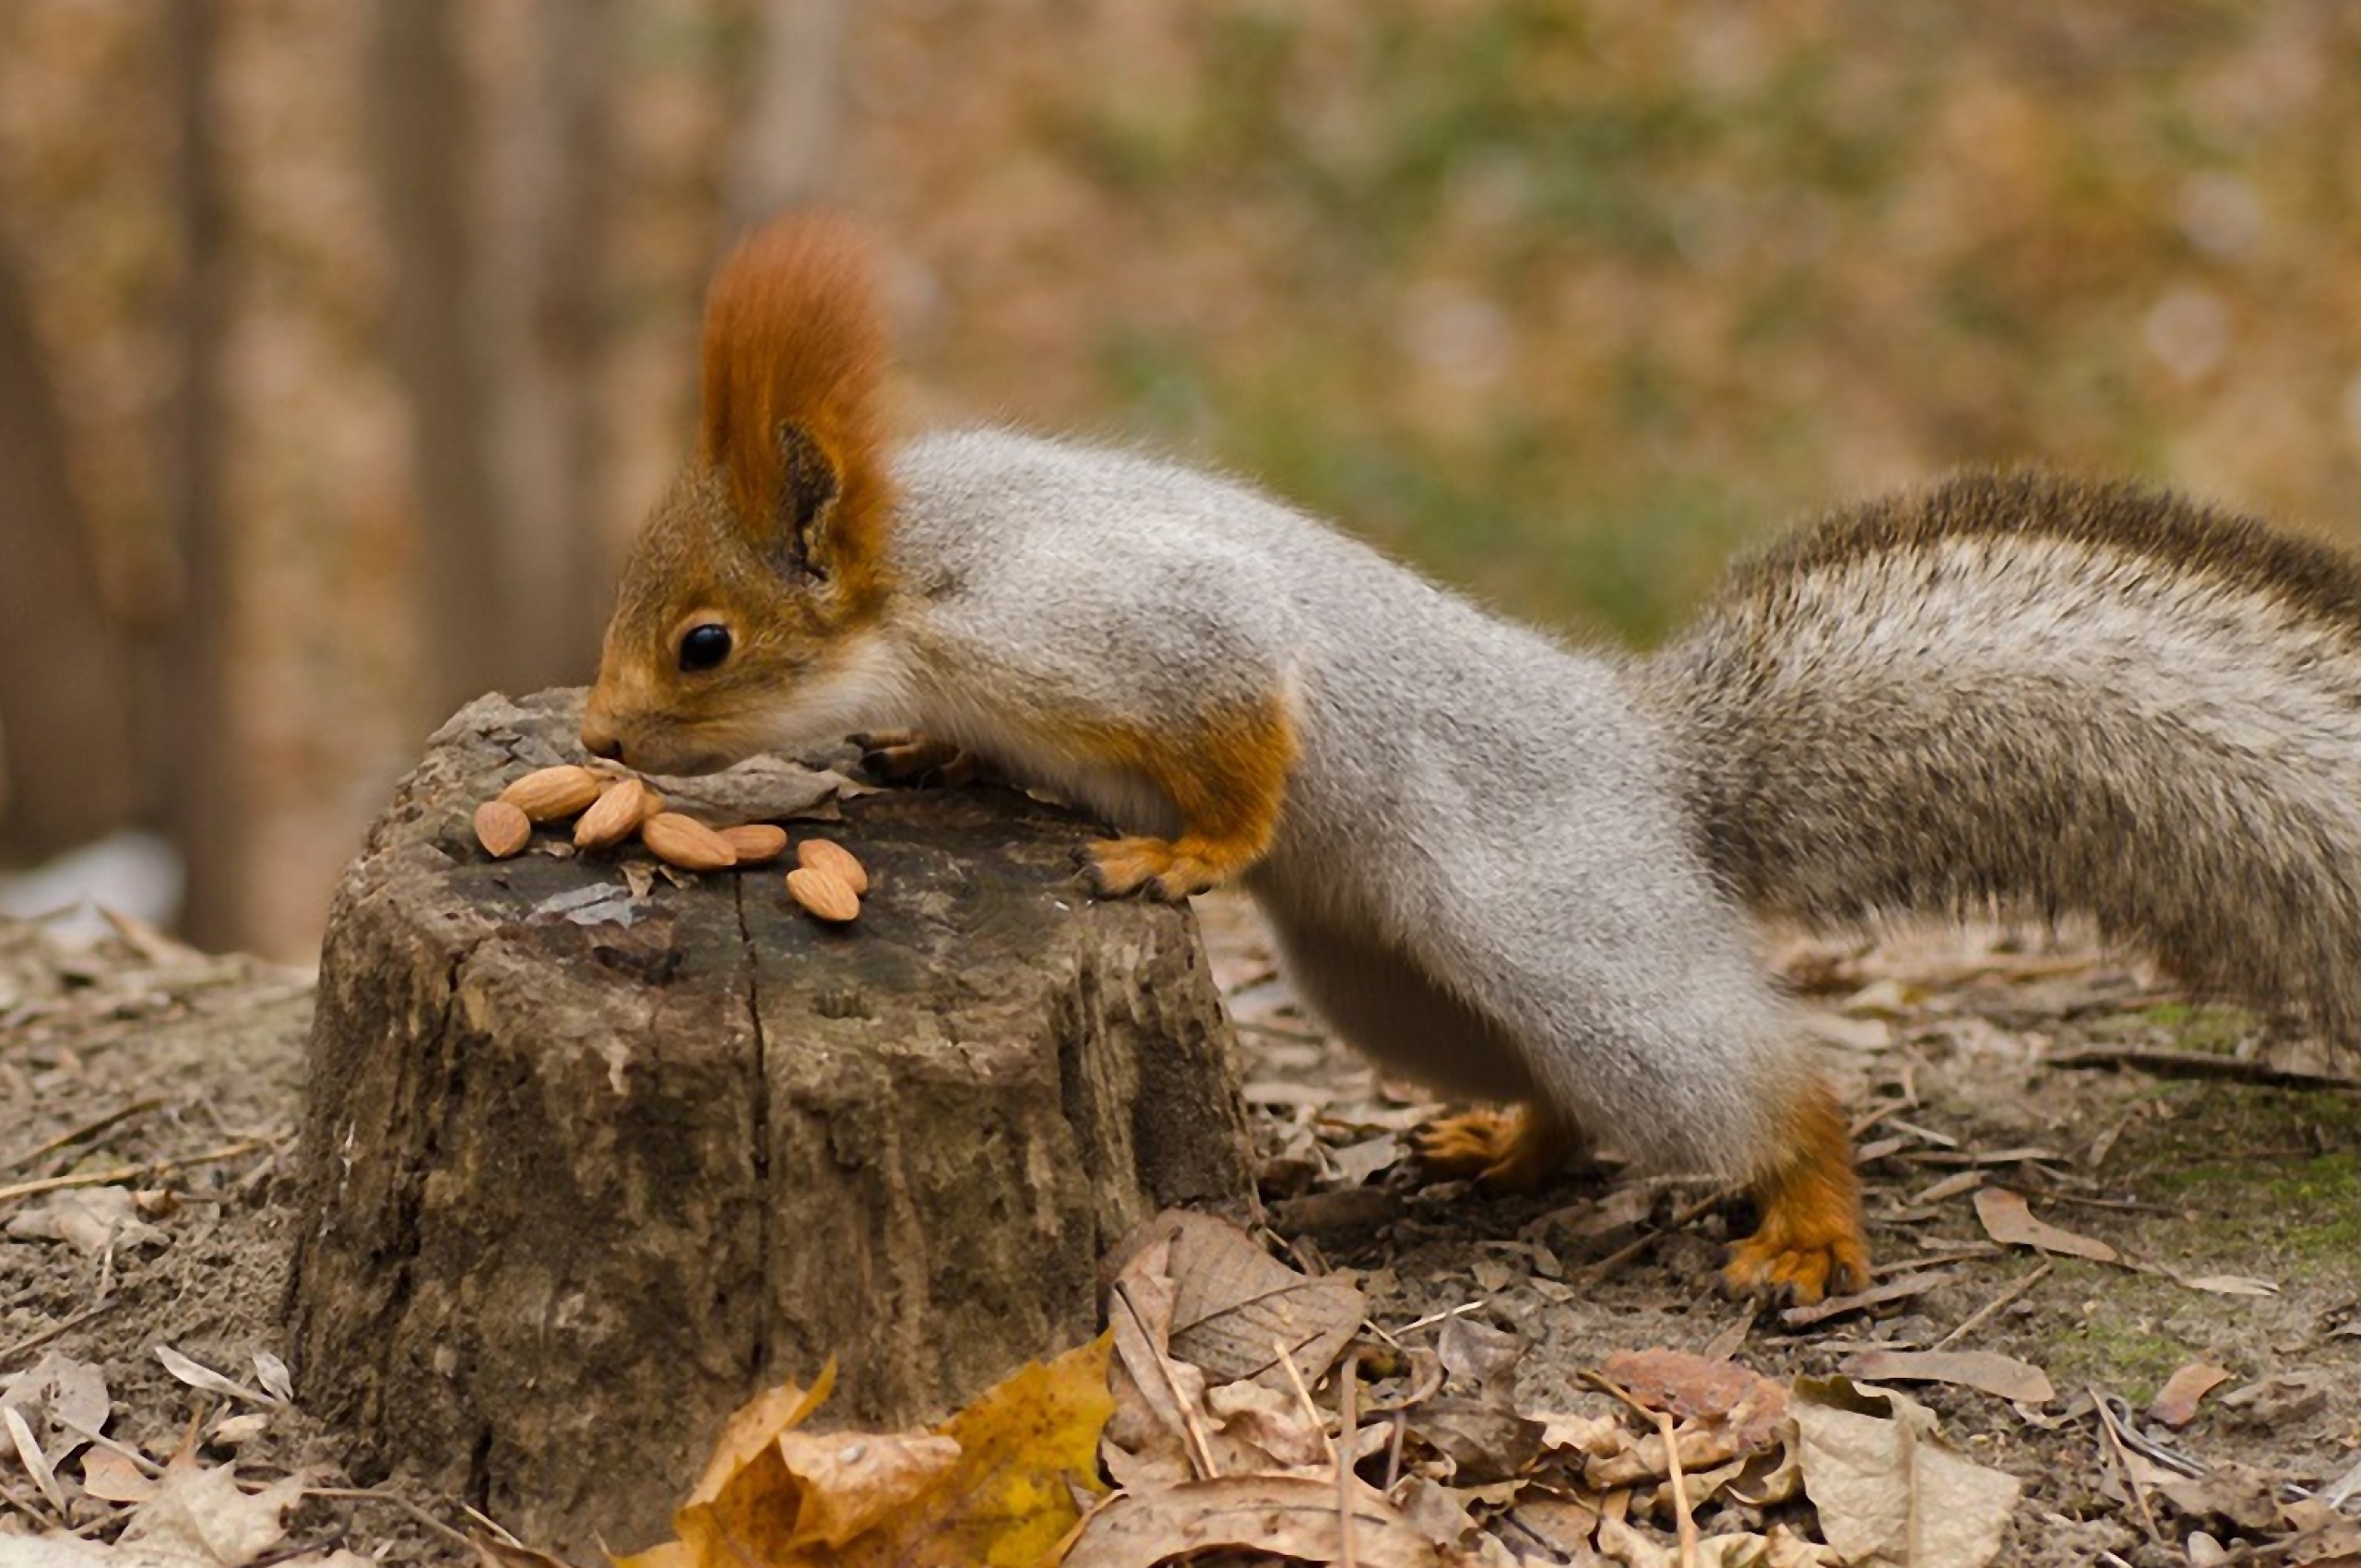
point(574, 1191)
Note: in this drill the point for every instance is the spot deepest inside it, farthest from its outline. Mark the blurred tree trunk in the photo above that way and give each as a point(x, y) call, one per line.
point(544, 280)
point(424, 154)
point(65, 757)
point(785, 147)
point(196, 760)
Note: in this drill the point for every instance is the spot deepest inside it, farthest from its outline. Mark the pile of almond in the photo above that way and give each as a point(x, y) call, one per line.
point(609, 809)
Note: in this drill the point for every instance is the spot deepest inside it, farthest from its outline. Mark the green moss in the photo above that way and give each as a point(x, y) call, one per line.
point(2117, 1347)
point(2269, 1181)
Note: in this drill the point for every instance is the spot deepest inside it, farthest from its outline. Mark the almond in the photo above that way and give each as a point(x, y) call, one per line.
point(823, 894)
point(820, 854)
point(616, 814)
point(503, 828)
point(756, 841)
point(547, 794)
point(685, 842)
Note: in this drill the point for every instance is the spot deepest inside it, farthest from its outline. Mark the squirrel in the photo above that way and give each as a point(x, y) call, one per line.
point(1519, 871)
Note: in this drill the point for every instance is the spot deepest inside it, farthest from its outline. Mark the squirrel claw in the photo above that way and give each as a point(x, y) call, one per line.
point(1506, 1151)
point(906, 756)
point(1157, 867)
point(1794, 1273)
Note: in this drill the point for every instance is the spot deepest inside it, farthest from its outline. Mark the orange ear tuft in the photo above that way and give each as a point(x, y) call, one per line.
point(794, 349)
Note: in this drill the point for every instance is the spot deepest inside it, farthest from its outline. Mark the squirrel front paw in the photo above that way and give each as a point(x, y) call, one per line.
point(906, 756)
point(1161, 868)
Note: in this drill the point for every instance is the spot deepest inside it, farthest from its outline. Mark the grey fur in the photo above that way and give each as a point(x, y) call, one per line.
point(1513, 870)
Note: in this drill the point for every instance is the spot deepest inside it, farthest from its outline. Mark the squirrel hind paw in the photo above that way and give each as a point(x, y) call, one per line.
point(1796, 1270)
point(1507, 1151)
point(1157, 867)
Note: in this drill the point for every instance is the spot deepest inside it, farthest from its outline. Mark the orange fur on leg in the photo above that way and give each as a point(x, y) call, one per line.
point(1228, 777)
point(1810, 1242)
point(1510, 1151)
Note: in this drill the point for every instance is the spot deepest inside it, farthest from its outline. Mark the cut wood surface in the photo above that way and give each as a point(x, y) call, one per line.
point(575, 1190)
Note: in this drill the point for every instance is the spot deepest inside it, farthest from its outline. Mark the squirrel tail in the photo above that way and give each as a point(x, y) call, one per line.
point(2018, 692)
point(794, 353)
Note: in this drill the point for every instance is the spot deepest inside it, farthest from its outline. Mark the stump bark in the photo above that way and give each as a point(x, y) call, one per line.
point(579, 1180)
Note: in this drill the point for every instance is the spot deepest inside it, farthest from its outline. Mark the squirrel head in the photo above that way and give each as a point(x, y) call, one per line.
point(743, 605)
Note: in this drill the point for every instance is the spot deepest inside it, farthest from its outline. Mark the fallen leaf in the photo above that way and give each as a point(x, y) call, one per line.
point(1896, 1289)
point(1292, 1516)
point(272, 1373)
point(1232, 1303)
point(512, 1554)
point(1747, 1405)
point(2176, 1403)
point(29, 1453)
point(66, 1402)
point(1888, 1489)
point(1484, 1440)
point(1027, 1448)
point(108, 1475)
point(56, 1551)
point(198, 1515)
point(996, 1485)
point(1480, 1356)
point(89, 1219)
point(201, 1376)
point(2244, 1495)
point(2007, 1221)
point(1986, 1371)
point(2231, 1284)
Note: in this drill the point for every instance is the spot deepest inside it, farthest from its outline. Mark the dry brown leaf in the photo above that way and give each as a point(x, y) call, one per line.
point(199, 1516)
point(1888, 1489)
point(2176, 1403)
point(996, 1485)
point(1232, 1303)
point(1480, 1356)
point(1986, 1371)
point(1292, 1516)
point(2007, 1221)
point(107, 1474)
point(1896, 1289)
point(1747, 1406)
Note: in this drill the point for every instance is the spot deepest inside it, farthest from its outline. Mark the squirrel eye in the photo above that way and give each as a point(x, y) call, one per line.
point(703, 648)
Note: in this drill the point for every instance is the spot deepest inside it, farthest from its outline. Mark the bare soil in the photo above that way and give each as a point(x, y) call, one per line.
point(138, 1064)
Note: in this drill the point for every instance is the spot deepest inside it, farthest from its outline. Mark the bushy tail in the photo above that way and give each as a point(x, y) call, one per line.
point(2023, 692)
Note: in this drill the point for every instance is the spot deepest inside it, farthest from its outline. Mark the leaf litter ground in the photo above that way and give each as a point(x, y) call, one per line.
point(2120, 1240)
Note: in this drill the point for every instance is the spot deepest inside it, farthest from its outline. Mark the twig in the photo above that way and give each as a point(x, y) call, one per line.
point(1347, 1425)
point(1681, 1516)
point(2123, 1467)
point(1303, 1395)
point(1662, 1421)
point(369, 1494)
point(86, 1130)
point(1593, 1272)
point(133, 1172)
point(1193, 1429)
point(1433, 1318)
point(1982, 1314)
point(34, 1342)
point(2200, 1064)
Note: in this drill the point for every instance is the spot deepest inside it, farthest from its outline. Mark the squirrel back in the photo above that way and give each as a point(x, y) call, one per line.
point(2026, 693)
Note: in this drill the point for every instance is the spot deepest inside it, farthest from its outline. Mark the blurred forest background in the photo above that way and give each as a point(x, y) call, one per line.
point(342, 344)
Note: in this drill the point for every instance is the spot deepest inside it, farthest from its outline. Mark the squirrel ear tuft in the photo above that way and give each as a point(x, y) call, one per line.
point(793, 353)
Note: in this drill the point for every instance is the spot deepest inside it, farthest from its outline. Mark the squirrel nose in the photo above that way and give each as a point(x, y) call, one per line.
point(599, 738)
